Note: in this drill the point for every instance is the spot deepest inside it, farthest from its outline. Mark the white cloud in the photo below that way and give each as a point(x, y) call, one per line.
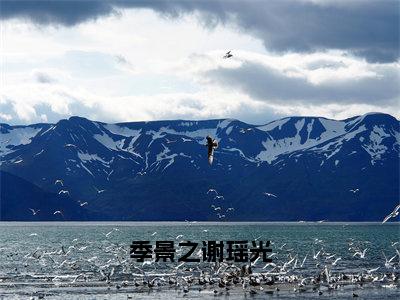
point(138, 66)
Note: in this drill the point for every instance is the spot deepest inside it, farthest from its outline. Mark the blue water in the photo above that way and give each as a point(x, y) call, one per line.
point(45, 258)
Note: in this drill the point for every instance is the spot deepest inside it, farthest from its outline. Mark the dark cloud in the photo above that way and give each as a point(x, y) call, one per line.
point(367, 28)
point(267, 84)
point(68, 13)
point(43, 77)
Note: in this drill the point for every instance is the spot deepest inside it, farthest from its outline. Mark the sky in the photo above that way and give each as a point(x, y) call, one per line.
point(122, 61)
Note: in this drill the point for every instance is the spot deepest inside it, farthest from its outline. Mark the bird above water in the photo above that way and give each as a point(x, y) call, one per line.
point(34, 212)
point(393, 214)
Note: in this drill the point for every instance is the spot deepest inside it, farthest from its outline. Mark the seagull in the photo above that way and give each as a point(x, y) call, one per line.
point(393, 214)
point(63, 192)
point(315, 256)
point(179, 236)
point(58, 212)
point(354, 190)
point(304, 259)
point(114, 229)
point(372, 270)
point(212, 191)
point(154, 233)
point(230, 209)
point(34, 212)
point(59, 181)
point(70, 145)
point(169, 141)
point(269, 195)
point(216, 207)
point(82, 203)
point(388, 262)
point(336, 261)
point(107, 276)
point(361, 254)
point(228, 54)
point(219, 197)
point(98, 191)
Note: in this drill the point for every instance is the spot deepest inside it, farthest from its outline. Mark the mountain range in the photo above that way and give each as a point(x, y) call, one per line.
point(292, 169)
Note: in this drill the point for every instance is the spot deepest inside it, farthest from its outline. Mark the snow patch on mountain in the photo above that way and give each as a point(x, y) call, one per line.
point(106, 141)
point(86, 157)
point(199, 135)
point(272, 125)
point(164, 156)
point(122, 130)
point(16, 137)
point(276, 147)
point(374, 147)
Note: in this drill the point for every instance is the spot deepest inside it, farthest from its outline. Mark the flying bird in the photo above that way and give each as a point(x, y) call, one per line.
point(170, 141)
point(34, 212)
point(270, 195)
point(354, 190)
point(211, 145)
point(393, 214)
point(228, 54)
point(58, 212)
point(82, 203)
point(212, 191)
point(59, 181)
point(98, 191)
point(63, 192)
point(114, 229)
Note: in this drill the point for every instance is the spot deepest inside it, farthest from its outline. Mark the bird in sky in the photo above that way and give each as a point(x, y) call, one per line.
point(393, 214)
point(59, 181)
point(212, 191)
point(228, 54)
point(211, 145)
point(270, 195)
point(82, 203)
point(99, 191)
point(354, 190)
point(170, 141)
point(34, 212)
point(63, 192)
point(58, 212)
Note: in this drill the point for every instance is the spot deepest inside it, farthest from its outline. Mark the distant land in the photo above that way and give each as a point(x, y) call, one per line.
point(292, 169)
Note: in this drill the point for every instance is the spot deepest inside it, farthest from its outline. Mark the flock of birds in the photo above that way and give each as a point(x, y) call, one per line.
point(317, 271)
point(64, 192)
point(219, 210)
point(104, 262)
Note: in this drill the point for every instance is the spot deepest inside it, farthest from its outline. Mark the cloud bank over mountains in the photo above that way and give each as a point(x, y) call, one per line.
point(146, 60)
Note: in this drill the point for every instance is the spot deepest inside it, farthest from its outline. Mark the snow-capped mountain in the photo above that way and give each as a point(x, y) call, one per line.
point(159, 171)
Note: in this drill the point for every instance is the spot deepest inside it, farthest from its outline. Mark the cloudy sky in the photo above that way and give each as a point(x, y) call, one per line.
point(116, 61)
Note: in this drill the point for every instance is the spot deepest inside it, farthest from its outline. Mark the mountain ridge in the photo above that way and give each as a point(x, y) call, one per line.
point(142, 166)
